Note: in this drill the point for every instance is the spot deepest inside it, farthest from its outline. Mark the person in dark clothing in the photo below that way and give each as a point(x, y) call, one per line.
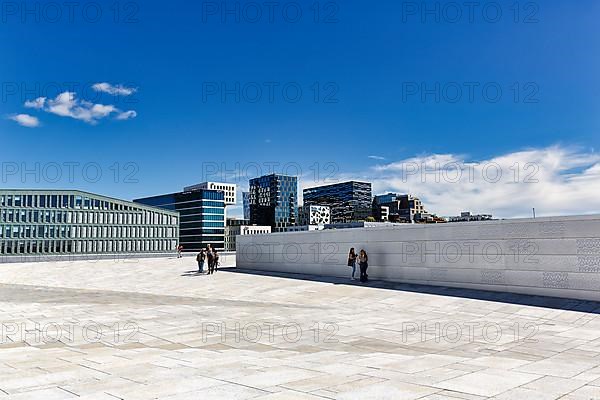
point(201, 257)
point(210, 257)
point(215, 260)
point(352, 262)
point(363, 262)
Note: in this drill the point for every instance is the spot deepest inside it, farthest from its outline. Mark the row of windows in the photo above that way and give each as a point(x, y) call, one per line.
point(84, 246)
point(213, 218)
point(198, 218)
point(85, 217)
point(201, 225)
point(202, 239)
point(76, 232)
point(62, 201)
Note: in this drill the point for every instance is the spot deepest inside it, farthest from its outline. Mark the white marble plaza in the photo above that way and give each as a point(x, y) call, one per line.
point(153, 328)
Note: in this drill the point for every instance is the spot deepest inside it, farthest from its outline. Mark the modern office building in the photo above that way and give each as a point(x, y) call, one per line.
point(348, 201)
point(60, 222)
point(468, 217)
point(246, 204)
point(314, 215)
point(363, 224)
point(202, 216)
point(274, 201)
point(383, 213)
point(229, 189)
point(304, 228)
point(241, 227)
point(398, 208)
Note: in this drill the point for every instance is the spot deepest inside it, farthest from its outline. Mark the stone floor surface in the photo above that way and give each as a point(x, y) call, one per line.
point(154, 328)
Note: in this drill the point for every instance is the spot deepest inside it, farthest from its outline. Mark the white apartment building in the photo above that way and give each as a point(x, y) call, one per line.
point(230, 190)
point(305, 228)
point(231, 233)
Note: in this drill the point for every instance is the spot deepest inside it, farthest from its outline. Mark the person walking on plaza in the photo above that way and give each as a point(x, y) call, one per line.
point(352, 262)
point(200, 258)
point(215, 260)
point(363, 262)
point(210, 257)
point(179, 250)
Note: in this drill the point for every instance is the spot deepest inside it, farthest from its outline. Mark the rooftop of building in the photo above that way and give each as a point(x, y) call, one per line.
point(338, 184)
point(412, 342)
point(83, 194)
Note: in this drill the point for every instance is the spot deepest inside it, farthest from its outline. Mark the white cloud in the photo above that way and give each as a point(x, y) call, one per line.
point(115, 90)
point(26, 120)
point(554, 180)
point(123, 116)
point(37, 103)
point(379, 158)
point(68, 105)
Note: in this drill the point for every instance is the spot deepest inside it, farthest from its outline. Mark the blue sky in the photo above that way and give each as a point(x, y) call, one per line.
point(368, 63)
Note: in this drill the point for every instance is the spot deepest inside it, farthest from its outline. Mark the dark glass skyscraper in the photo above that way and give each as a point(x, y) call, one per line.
point(202, 216)
point(274, 201)
point(349, 201)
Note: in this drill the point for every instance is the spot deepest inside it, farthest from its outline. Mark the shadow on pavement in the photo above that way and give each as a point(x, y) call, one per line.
point(501, 297)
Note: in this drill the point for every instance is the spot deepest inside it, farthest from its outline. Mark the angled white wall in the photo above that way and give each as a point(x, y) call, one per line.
point(557, 257)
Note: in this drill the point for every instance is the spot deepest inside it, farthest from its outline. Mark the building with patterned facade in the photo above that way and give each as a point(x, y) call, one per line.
point(274, 201)
point(229, 190)
point(348, 201)
point(314, 215)
point(63, 222)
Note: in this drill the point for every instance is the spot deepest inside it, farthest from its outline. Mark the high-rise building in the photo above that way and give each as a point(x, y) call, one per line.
point(274, 201)
point(246, 204)
point(229, 189)
point(348, 201)
point(58, 222)
point(398, 208)
point(202, 216)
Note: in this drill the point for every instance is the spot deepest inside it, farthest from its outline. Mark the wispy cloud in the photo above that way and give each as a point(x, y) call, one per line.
point(68, 105)
point(115, 90)
point(379, 158)
point(37, 103)
point(555, 180)
point(123, 116)
point(26, 120)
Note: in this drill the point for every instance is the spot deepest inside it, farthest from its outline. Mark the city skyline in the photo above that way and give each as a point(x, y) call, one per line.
point(364, 108)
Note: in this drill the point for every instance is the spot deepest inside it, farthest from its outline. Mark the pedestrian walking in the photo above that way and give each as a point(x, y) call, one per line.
point(352, 262)
point(216, 260)
point(363, 262)
point(201, 257)
point(210, 257)
point(179, 250)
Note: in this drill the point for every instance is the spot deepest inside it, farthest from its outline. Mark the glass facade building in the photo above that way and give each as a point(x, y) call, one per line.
point(273, 201)
point(246, 205)
point(202, 216)
point(398, 207)
point(36, 222)
point(348, 201)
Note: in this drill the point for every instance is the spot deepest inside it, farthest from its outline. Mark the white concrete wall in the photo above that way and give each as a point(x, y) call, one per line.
point(557, 257)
